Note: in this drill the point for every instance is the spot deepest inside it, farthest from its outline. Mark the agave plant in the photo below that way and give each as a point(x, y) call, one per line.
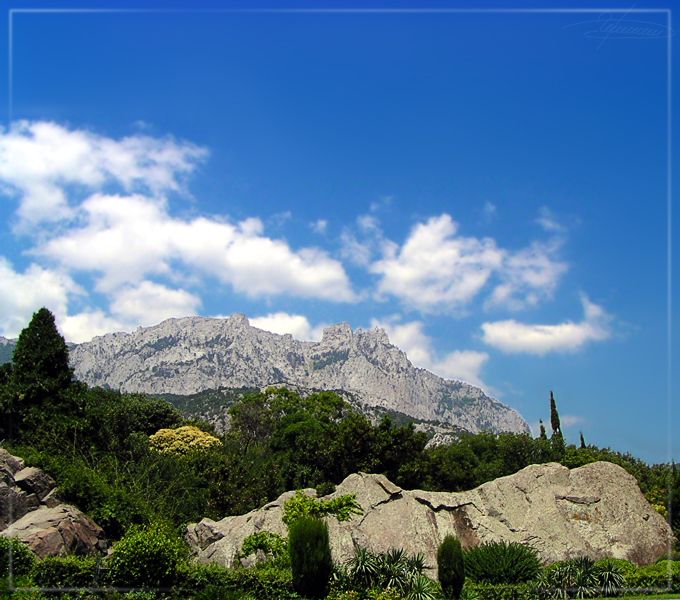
point(422, 588)
point(393, 570)
point(364, 568)
point(610, 578)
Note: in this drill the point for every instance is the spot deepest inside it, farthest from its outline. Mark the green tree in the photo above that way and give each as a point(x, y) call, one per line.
point(554, 415)
point(41, 378)
point(310, 557)
point(583, 441)
point(542, 435)
point(451, 567)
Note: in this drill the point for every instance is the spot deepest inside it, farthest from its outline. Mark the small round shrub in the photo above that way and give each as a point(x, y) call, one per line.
point(451, 567)
point(66, 572)
point(182, 440)
point(501, 562)
point(310, 557)
point(146, 557)
point(16, 558)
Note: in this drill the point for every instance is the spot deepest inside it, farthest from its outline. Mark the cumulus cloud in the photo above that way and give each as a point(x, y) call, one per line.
point(149, 303)
point(439, 270)
point(436, 268)
point(21, 294)
point(39, 161)
point(463, 365)
point(281, 322)
point(83, 326)
point(126, 238)
point(514, 337)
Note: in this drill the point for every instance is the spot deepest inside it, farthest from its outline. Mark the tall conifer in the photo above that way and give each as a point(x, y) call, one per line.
point(554, 416)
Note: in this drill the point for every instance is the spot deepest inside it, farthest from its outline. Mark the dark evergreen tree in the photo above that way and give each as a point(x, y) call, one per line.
point(310, 557)
point(41, 375)
point(583, 442)
point(554, 416)
point(451, 567)
point(542, 435)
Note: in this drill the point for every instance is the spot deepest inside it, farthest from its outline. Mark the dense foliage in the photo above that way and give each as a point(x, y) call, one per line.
point(310, 557)
point(501, 562)
point(451, 567)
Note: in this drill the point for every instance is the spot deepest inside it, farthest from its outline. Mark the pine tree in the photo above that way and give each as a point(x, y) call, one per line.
point(542, 435)
point(41, 375)
point(554, 416)
point(583, 442)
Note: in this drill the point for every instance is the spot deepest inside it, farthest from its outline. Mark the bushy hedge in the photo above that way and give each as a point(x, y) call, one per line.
point(16, 558)
point(146, 557)
point(61, 572)
point(310, 557)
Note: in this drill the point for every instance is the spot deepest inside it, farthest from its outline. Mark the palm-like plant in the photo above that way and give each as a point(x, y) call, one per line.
point(422, 588)
point(610, 578)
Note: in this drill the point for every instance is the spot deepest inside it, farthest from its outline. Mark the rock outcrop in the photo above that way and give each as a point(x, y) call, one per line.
point(190, 355)
point(596, 510)
point(31, 510)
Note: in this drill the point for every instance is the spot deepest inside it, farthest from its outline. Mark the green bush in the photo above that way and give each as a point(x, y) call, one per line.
point(16, 558)
point(584, 578)
point(146, 557)
point(67, 572)
point(212, 581)
point(656, 576)
point(488, 591)
point(501, 563)
point(271, 544)
point(451, 567)
point(310, 557)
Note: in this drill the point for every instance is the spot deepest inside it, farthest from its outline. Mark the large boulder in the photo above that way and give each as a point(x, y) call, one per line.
point(596, 510)
point(31, 510)
point(56, 531)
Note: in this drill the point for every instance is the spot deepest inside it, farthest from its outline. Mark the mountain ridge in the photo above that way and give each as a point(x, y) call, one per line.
point(188, 355)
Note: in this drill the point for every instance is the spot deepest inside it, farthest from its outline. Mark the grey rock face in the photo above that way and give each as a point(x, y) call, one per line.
point(31, 510)
point(189, 355)
point(596, 510)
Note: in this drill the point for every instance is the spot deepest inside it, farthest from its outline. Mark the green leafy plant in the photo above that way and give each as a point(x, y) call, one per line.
point(451, 567)
point(16, 558)
point(271, 544)
point(146, 557)
point(301, 505)
point(67, 572)
point(501, 562)
point(310, 557)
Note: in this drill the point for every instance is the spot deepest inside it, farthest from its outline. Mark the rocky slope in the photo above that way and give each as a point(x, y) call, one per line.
point(596, 510)
point(193, 354)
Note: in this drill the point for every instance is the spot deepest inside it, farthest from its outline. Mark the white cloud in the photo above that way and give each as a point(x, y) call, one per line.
point(21, 294)
point(514, 337)
point(463, 365)
point(490, 210)
point(528, 276)
point(281, 322)
point(150, 303)
point(436, 269)
point(39, 160)
point(126, 238)
point(547, 220)
point(319, 226)
point(570, 420)
point(82, 327)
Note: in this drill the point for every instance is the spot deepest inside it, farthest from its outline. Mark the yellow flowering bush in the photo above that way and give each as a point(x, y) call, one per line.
point(182, 440)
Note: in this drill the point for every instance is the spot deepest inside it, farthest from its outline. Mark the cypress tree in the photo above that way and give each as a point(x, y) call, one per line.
point(310, 557)
point(554, 416)
point(542, 435)
point(451, 567)
point(583, 442)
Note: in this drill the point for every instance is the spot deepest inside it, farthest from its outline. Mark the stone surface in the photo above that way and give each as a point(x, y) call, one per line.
point(189, 355)
point(34, 481)
point(62, 529)
point(596, 510)
point(30, 509)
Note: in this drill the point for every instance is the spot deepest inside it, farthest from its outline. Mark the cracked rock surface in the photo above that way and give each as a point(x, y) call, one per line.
point(596, 510)
point(31, 510)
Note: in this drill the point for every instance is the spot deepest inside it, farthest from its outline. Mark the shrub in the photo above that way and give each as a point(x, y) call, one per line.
point(67, 572)
point(16, 558)
point(451, 567)
point(488, 591)
point(501, 562)
point(271, 544)
point(302, 505)
point(310, 557)
point(146, 557)
point(182, 440)
point(583, 578)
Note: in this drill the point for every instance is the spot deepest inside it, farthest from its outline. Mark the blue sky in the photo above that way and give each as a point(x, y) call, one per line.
point(491, 188)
